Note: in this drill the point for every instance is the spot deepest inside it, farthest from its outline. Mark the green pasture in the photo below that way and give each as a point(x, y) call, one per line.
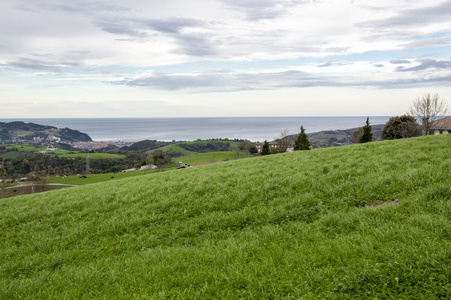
point(365, 221)
point(95, 178)
point(28, 148)
point(94, 155)
point(201, 158)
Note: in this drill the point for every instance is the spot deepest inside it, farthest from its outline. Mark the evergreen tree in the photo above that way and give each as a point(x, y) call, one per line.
point(302, 142)
point(367, 135)
point(265, 149)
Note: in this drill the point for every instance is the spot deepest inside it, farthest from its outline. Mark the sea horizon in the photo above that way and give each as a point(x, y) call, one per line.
point(254, 129)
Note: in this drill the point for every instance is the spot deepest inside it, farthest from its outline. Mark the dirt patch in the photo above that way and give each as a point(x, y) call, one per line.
point(393, 202)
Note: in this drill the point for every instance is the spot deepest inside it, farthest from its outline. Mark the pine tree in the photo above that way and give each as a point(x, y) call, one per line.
point(265, 149)
point(367, 135)
point(302, 142)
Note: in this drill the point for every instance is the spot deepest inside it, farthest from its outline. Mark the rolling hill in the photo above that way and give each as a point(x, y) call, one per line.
point(20, 131)
point(353, 222)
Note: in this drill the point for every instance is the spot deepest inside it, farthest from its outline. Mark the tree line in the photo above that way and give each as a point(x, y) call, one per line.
point(46, 165)
point(427, 109)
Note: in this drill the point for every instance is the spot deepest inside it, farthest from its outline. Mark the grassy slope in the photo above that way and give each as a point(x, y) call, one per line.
point(298, 225)
point(95, 178)
point(201, 158)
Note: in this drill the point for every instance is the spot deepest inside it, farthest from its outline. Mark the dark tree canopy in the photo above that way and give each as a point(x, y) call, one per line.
point(302, 142)
point(265, 149)
point(401, 127)
point(367, 134)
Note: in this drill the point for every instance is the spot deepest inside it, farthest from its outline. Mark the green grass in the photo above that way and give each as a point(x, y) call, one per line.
point(177, 148)
point(355, 222)
point(29, 148)
point(96, 178)
point(26, 147)
point(201, 158)
point(94, 155)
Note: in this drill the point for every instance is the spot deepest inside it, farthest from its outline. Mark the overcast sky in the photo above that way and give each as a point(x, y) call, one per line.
point(201, 58)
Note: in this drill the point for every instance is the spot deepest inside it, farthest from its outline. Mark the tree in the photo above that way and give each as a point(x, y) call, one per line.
point(253, 149)
point(429, 108)
point(367, 135)
point(283, 142)
point(401, 127)
point(302, 142)
point(356, 135)
point(265, 149)
point(158, 158)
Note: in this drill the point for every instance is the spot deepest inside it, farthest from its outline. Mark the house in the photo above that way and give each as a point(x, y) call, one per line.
point(273, 145)
point(441, 126)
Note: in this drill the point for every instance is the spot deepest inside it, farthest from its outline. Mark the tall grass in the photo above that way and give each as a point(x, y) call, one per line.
point(355, 222)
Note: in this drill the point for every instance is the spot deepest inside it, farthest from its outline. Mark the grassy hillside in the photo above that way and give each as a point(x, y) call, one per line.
point(201, 158)
point(96, 178)
point(354, 222)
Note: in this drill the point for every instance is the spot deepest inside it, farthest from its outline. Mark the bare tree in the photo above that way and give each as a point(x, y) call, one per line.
point(429, 108)
point(283, 142)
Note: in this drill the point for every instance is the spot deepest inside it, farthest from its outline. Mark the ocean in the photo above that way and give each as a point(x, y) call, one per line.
point(189, 129)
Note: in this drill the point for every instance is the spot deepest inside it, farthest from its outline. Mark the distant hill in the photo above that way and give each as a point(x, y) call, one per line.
point(20, 131)
point(339, 137)
point(145, 145)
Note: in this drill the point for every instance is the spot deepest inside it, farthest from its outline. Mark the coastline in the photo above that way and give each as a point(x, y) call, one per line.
point(255, 129)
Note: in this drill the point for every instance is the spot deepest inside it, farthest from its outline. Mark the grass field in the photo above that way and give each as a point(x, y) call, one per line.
point(201, 158)
point(94, 155)
point(28, 148)
point(354, 222)
point(96, 178)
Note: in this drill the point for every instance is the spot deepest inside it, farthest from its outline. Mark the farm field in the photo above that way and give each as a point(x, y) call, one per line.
point(353, 222)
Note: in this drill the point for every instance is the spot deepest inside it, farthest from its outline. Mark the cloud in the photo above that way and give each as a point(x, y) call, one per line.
point(427, 64)
point(87, 7)
point(414, 17)
point(171, 25)
point(399, 61)
point(195, 45)
point(432, 42)
point(333, 64)
point(40, 65)
point(221, 80)
point(122, 28)
point(229, 81)
point(261, 9)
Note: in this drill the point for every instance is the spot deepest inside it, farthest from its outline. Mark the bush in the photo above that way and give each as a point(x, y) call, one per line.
point(401, 127)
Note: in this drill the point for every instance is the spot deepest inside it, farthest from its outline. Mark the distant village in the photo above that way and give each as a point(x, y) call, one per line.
point(99, 145)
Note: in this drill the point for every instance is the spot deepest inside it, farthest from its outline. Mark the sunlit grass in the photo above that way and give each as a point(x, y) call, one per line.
point(355, 222)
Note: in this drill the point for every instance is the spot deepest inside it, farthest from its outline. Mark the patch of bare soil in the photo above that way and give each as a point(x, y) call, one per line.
point(393, 202)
